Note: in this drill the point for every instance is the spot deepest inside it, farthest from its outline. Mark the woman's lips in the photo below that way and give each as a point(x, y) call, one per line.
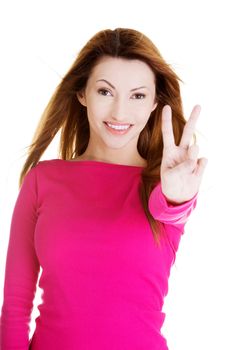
point(118, 132)
point(118, 124)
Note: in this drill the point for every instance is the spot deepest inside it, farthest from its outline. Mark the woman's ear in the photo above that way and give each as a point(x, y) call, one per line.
point(81, 97)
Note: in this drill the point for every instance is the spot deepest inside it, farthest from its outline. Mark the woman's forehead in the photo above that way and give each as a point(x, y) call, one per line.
point(114, 69)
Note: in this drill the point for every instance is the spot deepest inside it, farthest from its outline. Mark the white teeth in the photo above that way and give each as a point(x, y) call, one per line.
point(118, 127)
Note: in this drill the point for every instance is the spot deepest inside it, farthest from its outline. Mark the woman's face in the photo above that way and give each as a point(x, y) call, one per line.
point(119, 92)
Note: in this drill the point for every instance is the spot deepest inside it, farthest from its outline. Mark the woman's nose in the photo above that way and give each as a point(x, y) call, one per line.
point(119, 111)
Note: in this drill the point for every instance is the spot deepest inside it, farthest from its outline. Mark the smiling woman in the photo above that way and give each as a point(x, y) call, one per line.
point(104, 222)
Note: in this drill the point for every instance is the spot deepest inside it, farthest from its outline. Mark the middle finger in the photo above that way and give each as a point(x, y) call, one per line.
point(190, 127)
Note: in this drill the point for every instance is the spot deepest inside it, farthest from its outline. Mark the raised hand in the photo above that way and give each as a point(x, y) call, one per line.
point(181, 170)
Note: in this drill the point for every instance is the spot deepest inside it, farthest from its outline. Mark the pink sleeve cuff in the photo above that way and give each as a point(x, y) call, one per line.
point(169, 213)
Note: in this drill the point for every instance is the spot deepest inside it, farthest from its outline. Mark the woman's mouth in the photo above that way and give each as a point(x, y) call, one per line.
point(118, 129)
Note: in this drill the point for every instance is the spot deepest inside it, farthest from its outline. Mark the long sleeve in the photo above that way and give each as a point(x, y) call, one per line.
point(21, 270)
point(174, 217)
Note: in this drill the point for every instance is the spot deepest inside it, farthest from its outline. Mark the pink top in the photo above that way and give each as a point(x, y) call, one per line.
point(103, 278)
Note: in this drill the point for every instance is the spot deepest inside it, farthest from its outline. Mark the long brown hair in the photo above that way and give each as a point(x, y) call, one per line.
point(65, 112)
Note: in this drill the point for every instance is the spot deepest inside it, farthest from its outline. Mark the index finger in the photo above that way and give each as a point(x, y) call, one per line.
point(167, 129)
point(189, 127)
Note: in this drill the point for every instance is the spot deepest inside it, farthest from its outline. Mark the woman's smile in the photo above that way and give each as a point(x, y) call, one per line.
point(118, 129)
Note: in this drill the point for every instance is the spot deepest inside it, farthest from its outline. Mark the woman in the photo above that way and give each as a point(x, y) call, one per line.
point(105, 219)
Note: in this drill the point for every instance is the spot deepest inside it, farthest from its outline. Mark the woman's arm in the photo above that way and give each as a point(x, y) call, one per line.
point(173, 217)
point(164, 211)
point(21, 270)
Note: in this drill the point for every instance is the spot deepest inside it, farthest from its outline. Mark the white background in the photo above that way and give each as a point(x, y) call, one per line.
point(39, 42)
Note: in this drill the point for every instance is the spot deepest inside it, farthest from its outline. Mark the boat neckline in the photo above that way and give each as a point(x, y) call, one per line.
point(97, 162)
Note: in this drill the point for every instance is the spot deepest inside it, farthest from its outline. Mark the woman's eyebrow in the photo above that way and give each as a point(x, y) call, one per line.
point(140, 87)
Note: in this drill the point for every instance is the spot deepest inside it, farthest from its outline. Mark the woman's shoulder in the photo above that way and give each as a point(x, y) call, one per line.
point(47, 164)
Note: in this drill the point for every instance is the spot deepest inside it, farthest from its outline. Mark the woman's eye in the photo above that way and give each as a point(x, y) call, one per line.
point(102, 91)
point(142, 96)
